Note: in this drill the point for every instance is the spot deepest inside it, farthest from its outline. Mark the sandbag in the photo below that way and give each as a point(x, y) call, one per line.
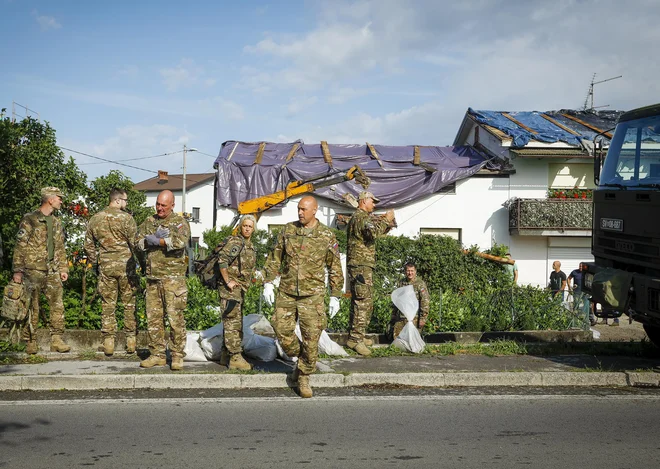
point(260, 348)
point(193, 350)
point(329, 347)
point(409, 338)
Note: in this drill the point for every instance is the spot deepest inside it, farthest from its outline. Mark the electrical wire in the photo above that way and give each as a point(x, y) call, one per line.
point(136, 159)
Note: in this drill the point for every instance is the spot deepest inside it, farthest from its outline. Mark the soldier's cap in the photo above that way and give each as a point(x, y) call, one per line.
point(364, 195)
point(51, 191)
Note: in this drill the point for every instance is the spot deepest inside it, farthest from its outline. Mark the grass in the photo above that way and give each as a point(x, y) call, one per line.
point(23, 360)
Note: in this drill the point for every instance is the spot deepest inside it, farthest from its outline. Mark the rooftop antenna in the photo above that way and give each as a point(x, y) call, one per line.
point(590, 93)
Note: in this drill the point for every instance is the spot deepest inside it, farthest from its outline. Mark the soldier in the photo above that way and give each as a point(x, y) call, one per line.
point(363, 229)
point(236, 261)
point(164, 236)
point(303, 251)
point(421, 292)
point(114, 231)
point(40, 261)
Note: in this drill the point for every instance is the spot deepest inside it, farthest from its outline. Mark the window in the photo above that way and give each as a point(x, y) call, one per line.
point(195, 214)
point(455, 233)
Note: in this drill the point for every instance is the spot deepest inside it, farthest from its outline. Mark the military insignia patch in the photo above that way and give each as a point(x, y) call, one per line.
point(179, 226)
point(22, 232)
point(234, 251)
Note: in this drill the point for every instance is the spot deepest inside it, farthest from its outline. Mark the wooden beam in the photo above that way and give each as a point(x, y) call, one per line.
point(587, 125)
point(326, 153)
point(372, 150)
point(558, 124)
point(260, 153)
point(513, 119)
point(292, 153)
point(416, 156)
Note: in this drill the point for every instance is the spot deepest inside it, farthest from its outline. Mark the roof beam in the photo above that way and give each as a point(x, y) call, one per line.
point(587, 125)
point(326, 153)
point(520, 124)
point(372, 150)
point(417, 161)
point(292, 153)
point(560, 125)
point(260, 153)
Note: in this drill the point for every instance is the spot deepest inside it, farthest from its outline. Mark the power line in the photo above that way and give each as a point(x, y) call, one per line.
point(108, 161)
point(136, 159)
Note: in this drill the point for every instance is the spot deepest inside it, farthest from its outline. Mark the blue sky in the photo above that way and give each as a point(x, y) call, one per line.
point(122, 80)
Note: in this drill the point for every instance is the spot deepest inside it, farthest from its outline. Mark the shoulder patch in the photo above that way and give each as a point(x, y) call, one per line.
point(235, 250)
point(22, 232)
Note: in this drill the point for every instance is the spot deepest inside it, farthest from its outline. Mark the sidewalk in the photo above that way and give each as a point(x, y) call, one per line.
point(68, 371)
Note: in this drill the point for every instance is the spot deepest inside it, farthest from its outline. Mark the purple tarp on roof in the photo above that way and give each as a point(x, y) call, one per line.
point(397, 183)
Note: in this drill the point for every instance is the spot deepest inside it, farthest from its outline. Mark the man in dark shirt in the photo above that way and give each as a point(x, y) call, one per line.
point(557, 280)
point(580, 300)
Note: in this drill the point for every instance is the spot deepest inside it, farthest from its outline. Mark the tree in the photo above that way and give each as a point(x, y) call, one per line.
point(100, 188)
point(30, 160)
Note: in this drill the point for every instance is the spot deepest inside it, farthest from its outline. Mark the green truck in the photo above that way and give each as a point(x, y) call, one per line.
point(625, 274)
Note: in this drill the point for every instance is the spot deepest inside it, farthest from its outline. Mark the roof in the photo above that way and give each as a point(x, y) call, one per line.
point(522, 127)
point(398, 174)
point(551, 152)
point(175, 182)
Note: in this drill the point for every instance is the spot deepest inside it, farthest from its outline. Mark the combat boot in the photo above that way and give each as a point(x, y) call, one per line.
point(130, 344)
point(359, 347)
point(224, 357)
point(58, 345)
point(177, 364)
point(304, 389)
point(368, 342)
point(237, 362)
point(109, 346)
point(152, 361)
point(32, 348)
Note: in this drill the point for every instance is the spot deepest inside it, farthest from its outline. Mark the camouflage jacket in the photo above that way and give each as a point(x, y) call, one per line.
point(423, 297)
point(363, 229)
point(301, 256)
point(239, 258)
point(31, 251)
point(170, 260)
point(114, 231)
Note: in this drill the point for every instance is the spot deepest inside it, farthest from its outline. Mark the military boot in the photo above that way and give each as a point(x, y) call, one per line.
point(130, 344)
point(109, 346)
point(237, 362)
point(32, 348)
point(224, 357)
point(58, 345)
point(304, 389)
point(359, 347)
point(368, 342)
point(177, 364)
point(152, 361)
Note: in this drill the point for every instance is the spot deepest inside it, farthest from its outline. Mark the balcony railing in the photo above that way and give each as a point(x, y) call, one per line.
point(535, 216)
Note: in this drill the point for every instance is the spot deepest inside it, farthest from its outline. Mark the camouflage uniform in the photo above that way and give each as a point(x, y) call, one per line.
point(167, 292)
point(239, 258)
point(114, 231)
point(422, 293)
point(41, 274)
point(301, 256)
point(363, 229)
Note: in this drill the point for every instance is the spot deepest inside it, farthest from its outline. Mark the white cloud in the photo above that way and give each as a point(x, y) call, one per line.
point(47, 23)
point(297, 105)
point(186, 74)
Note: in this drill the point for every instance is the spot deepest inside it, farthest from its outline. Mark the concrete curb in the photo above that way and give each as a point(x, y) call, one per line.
point(325, 380)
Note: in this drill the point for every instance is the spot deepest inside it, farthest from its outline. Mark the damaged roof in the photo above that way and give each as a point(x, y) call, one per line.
point(568, 126)
point(398, 174)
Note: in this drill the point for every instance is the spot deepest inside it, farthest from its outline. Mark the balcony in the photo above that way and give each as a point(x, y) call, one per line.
point(550, 217)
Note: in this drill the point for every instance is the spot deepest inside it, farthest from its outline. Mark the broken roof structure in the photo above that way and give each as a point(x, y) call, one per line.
point(527, 129)
point(398, 174)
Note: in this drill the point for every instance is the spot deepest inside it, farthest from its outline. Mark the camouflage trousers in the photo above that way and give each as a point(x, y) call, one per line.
point(50, 284)
point(232, 320)
point(166, 299)
point(109, 287)
point(362, 305)
point(309, 312)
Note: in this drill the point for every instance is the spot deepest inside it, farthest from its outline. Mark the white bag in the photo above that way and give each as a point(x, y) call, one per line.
point(212, 347)
point(409, 338)
point(212, 331)
point(258, 324)
point(282, 354)
point(260, 348)
point(193, 350)
point(330, 347)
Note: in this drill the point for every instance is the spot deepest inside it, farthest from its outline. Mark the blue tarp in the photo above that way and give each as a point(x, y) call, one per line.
point(396, 183)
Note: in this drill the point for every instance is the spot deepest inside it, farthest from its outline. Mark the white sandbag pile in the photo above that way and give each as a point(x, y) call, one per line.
point(409, 339)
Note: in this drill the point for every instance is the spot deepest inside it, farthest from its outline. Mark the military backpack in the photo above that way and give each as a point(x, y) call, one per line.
point(14, 312)
point(208, 270)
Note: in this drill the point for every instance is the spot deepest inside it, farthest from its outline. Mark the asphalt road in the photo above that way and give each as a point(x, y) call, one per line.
point(395, 428)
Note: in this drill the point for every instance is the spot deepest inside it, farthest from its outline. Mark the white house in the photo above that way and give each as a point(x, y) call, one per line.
point(199, 198)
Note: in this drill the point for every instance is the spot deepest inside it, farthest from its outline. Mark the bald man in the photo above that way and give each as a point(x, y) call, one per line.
point(304, 250)
point(164, 237)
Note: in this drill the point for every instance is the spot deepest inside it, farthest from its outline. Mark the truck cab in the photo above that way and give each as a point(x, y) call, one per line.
point(626, 215)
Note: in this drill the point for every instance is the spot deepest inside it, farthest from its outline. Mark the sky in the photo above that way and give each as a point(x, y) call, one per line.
point(127, 80)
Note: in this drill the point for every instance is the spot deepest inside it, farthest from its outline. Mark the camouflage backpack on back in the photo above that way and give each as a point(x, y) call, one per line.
point(207, 270)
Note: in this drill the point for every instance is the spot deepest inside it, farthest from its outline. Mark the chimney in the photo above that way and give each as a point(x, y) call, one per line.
point(162, 177)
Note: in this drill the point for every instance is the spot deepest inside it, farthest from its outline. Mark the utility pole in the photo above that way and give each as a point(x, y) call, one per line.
point(183, 196)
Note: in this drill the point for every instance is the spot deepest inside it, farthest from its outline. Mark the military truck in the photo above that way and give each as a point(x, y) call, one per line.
point(626, 221)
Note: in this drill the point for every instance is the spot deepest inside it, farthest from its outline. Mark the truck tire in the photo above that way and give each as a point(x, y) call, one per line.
point(654, 334)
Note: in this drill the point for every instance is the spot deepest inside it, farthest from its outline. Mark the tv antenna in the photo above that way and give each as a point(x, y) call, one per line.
point(590, 93)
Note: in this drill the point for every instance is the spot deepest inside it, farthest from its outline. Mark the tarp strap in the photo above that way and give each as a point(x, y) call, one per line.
point(417, 158)
point(326, 153)
point(372, 150)
point(292, 153)
point(232, 152)
point(260, 153)
point(587, 125)
point(560, 125)
point(520, 124)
